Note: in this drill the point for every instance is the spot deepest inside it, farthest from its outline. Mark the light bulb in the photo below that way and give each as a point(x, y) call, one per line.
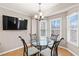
point(42, 16)
point(40, 13)
point(35, 16)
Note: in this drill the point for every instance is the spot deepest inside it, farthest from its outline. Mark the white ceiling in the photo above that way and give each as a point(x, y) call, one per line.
point(30, 9)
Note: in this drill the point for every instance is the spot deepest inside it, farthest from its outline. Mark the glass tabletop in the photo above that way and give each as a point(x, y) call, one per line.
point(41, 42)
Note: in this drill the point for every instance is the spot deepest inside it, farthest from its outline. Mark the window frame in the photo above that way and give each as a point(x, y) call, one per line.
point(68, 28)
point(59, 18)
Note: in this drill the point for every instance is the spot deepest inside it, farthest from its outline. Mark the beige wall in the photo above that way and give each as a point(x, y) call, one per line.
point(9, 38)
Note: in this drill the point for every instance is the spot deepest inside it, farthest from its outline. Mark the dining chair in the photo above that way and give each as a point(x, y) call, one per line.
point(55, 47)
point(53, 51)
point(28, 51)
point(34, 40)
point(54, 37)
point(51, 40)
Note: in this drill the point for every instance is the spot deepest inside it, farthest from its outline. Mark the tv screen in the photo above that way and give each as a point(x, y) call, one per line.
point(13, 23)
point(22, 24)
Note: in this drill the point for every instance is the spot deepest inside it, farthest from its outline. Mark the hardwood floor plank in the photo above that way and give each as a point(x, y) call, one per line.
point(64, 52)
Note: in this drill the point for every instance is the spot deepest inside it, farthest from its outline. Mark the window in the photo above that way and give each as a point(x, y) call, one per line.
point(55, 26)
point(72, 28)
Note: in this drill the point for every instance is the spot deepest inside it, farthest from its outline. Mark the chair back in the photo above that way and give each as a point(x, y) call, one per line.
point(33, 37)
point(25, 52)
point(54, 37)
point(34, 40)
point(55, 47)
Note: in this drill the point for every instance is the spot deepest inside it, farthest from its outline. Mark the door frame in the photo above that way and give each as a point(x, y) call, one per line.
point(45, 29)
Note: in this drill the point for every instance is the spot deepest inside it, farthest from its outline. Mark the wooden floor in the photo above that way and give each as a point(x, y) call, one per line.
point(62, 52)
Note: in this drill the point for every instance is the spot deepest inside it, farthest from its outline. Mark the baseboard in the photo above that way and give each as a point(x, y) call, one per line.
point(11, 50)
point(69, 50)
point(22, 47)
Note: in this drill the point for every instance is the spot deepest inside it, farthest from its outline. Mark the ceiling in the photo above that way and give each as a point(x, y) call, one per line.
point(30, 9)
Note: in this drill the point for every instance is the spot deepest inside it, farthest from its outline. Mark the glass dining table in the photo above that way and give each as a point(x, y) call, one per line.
point(43, 43)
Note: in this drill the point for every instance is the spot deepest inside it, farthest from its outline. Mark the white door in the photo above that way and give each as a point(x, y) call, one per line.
point(43, 29)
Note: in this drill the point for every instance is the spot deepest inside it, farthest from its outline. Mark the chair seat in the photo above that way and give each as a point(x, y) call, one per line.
point(50, 44)
point(34, 43)
point(32, 51)
point(46, 52)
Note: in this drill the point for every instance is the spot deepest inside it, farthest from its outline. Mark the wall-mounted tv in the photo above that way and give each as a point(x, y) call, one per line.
point(13, 23)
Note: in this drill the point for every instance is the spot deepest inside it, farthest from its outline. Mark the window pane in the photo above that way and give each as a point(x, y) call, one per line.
point(73, 27)
point(73, 36)
point(43, 32)
point(43, 25)
point(73, 21)
point(43, 28)
point(55, 24)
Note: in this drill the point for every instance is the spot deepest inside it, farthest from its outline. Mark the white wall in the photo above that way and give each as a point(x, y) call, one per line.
point(9, 38)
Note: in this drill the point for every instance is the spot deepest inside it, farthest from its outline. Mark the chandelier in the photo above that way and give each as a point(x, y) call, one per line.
point(39, 16)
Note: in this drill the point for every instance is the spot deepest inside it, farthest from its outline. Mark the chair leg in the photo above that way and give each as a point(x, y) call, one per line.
point(24, 53)
point(56, 51)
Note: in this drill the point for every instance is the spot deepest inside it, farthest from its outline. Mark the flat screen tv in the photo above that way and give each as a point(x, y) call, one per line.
point(13, 23)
